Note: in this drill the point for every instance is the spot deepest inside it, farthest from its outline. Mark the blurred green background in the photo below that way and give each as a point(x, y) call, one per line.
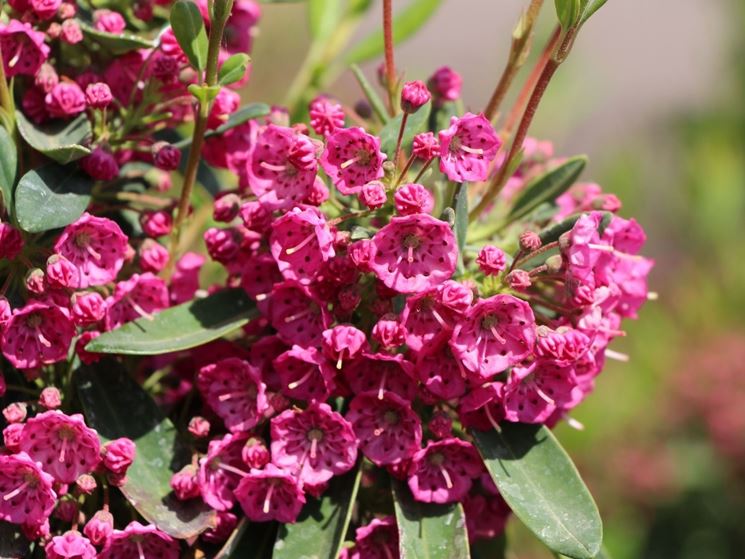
point(655, 94)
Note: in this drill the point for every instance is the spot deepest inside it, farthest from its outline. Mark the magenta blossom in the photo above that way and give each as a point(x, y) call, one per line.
point(413, 199)
point(536, 391)
point(270, 494)
point(443, 471)
point(23, 48)
point(445, 84)
point(352, 159)
point(138, 297)
point(27, 494)
point(221, 470)
point(137, 540)
point(37, 334)
point(467, 148)
point(70, 545)
point(326, 116)
point(65, 100)
point(301, 241)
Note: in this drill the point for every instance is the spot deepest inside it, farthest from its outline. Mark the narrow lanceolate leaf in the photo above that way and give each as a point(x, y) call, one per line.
point(181, 327)
point(117, 406)
point(116, 43)
point(589, 7)
point(63, 141)
point(568, 12)
point(461, 216)
point(241, 116)
point(51, 196)
point(8, 167)
point(415, 124)
point(188, 27)
point(372, 97)
point(543, 488)
point(553, 232)
point(428, 531)
point(319, 531)
point(548, 187)
point(233, 69)
point(405, 23)
point(323, 17)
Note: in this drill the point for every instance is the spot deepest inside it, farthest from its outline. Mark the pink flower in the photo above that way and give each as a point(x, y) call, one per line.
point(99, 527)
point(137, 540)
point(377, 540)
point(491, 260)
point(494, 334)
point(467, 148)
point(343, 343)
point(304, 374)
point(486, 515)
point(414, 253)
point(50, 398)
point(27, 494)
point(65, 100)
point(425, 146)
point(61, 273)
point(118, 455)
point(109, 21)
point(98, 95)
point(88, 307)
point(138, 297)
point(388, 430)
point(11, 242)
point(412, 199)
point(389, 332)
point(445, 84)
point(441, 426)
point(255, 216)
point(156, 224)
point(220, 471)
point(298, 316)
point(100, 165)
point(37, 334)
point(45, 9)
point(414, 95)
point(185, 278)
point(441, 374)
point(373, 195)
point(282, 167)
point(301, 241)
point(233, 389)
point(70, 545)
point(381, 372)
point(315, 444)
point(443, 471)
point(352, 158)
point(63, 443)
point(96, 245)
point(530, 241)
point(270, 494)
point(46, 78)
point(536, 391)
point(326, 116)
point(23, 48)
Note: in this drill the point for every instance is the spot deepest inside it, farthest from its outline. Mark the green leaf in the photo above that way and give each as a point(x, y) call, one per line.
point(250, 540)
point(405, 23)
point(548, 187)
point(242, 115)
point(319, 531)
point(415, 124)
point(323, 17)
point(589, 7)
point(116, 43)
point(373, 98)
point(188, 27)
point(538, 480)
point(568, 12)
point(429, 531)
point(8, 168)
point(117, 406)
point(181, 327)
point(553, 232)
point(233, 69)
point(51, 196)
point(59, 140)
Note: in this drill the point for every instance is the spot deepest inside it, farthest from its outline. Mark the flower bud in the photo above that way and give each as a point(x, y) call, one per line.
point(88, 307)
point(519, 280)
point(226, 207)
point(35, 281)
point(99, 527)
point(184, 483)
point(530, 241)
point(491, 260)
point(61, 273)
point(98, 95)
point(12, 437)
point(413, 198)
point(86, 483)
point(156, 224)
point(166, 157)
point(425, 146)
point(100, 165)
point(389, 332)
point(441, 425)
point(153, 256)
point(414, 96)
point(118, 455)
point(445, 84)
point(50, 398)
point(373, 195)
point(15, 412)
point(199, 427)
point(554, 263)
point(255, 453)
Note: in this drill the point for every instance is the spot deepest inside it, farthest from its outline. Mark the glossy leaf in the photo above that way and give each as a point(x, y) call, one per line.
point(568, 12)
point(116, 43)
point(51, 196)
point(553, 232)
point(323, 17)
point(543, 488)
point(181, 327)
point(188, 27)
point(589, 7)
point(548, 187)
point(415, 124)
point(319, 531)
point(405, 23)
point(116, 406)
point(233, 69)
point(61, 140)
point(250, 540)
point(429, 531)
point(241, 116)
point(8, 168)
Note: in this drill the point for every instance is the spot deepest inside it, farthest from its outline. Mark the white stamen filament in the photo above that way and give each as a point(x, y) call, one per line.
point(94, 253)
point(139, 310)
point(16, 491)
point(293, 385)
point(574, 424)
point(231, 395)
point(339, 360)
point(313, 448)
point(545, 397)
point(438, 318)
point(261, 296)
point(62, 451)
point(617, 355)
point(491, 419)
point(446, 476)
point(350, 162)
point(268, 499)
point(272, 167)
point(42, 338)
point(381, 387)
point(232, 469)
point(388, 554)
point(140, 550)
point(410, 255)
point(500, 339)
point(292, 250)
point(16, 56)
point(474, 151)
point(294, 317)
point(379, 431)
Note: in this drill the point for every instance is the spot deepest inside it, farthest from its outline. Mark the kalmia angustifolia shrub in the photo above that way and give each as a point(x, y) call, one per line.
point(354, 317)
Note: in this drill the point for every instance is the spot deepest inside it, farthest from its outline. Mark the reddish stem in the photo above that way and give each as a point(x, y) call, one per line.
point(390, 67)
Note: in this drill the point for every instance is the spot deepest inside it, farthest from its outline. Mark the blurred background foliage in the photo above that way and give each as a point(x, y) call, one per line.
point(664, 445)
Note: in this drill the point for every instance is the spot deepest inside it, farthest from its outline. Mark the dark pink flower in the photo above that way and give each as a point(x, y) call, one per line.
point(70, 545)
point(46, 78)
point(221, 470)
point(414, 253)
point(377, 540)
point(50, 398)
point(315, 444)
point(389, 332)
point(534, 392)
point(441, 374)
point(225, 104)
point(491, 260)
point(239, 30)
point(414, 95)
point(99, 527)
point(282, 167)
point(61, 273)
point(153, 256)
point(530, 241)
point(45, 9)
point(380, 373)
point(298, 316)
point(23, 48)
point(343, 343)
point(98, 95)
point(12, 437)
point(388, 430)
point(233, 389)
point(425, 146)
point(138, 297)
point(156, 224)
point(486, 515)
point(352, 158)
point(15, 412)
point(27, 494)
point(11, 242)
point(118, 455)
point(270, 494)
point(100, 165)
point(65, 446)
point(65, 100)
point(519, 280)
point(443, 471)
point(494, 334)
point(445, 84)
point(96, 245)
point(255, 216)
point(467, 148)
point(137, 540)
point(441, 426)
point(37, 334)
point(255, 454)
point(413, 199)
point(301, 241)
point(109, 21)
point(226, 207)
point(166, 156)
point(564, 345)
point(304, 373)
point(326, 116)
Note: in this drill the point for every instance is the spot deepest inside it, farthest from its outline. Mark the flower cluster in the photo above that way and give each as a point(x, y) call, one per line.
point(385, 328)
